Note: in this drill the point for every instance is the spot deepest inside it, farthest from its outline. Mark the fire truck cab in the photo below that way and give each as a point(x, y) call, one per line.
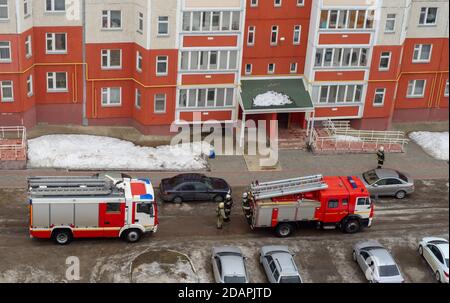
point(331, 202)
point(66, 208)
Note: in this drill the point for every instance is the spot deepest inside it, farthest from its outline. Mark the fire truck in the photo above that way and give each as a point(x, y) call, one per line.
point(66, 208)
point(329, 202)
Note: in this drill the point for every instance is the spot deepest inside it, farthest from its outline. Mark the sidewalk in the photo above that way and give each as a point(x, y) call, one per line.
point(294, 163)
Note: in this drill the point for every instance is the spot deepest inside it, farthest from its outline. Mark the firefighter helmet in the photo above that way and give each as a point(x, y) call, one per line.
point(245, 195)
point(221, 205)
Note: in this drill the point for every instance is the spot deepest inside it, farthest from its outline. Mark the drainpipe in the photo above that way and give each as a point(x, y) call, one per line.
point(83, 49)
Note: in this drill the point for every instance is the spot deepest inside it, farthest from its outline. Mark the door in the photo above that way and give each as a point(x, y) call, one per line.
point(144, 213)
point(392, 186)
point(283, 120)
point(363, 258)
point(187, 192)
point(111, 218)
point(363, 207)
point(380, 188)
point(217, 269)
point(202, 192)
point(335, 210)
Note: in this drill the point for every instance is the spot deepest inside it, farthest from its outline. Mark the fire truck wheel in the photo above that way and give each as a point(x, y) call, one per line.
point(133, 235)
point(400, 195)
point(284, 230)
point(62, 236)
point(352, 226)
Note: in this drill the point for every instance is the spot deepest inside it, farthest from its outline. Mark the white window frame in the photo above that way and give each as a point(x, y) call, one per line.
point(346, 94)
point(390, 18)
point(155, 99)
point(52, 38)
point(161, 22)
point(248, 72)
point(380, 68)
point(7, 60)
point(108, 103)
point(140, 25)
point(26, 8)
point(352, 50)
point(425, 16)
point(4, 85)
point(107, 53)
point(109, 20)
point(166, 61)
point(254, 3)
point(275, 29)
point(300, 2)
point(297, 30)
point(271, 72)
point(251, 33)
point(230, 64)
point(52, 75)
point(28, 47)
point(277, 3)
point(206, 90)
point(419, 49)
point(190, 19)
point(53, 7)
point(138, 98)
point(6, 7)
point(367, 14)
point(139, 61)
point(379, 91)
point(412, 84)
point(293, 71)
point(30, 88)
point(446, 89)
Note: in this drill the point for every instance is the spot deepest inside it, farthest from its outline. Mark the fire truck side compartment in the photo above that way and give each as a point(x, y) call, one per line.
point(62, 214)
point(41, 215)
point(86, 215)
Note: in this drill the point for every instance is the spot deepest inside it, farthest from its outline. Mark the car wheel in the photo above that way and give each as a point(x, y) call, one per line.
point(352, 226)
point(400, 195)
point(133, 235)
point(284, 230)
point(438, 277)
point(218, 199)
point(354, 256)
point(177, 200)
point(421, 250)
point(62, 237)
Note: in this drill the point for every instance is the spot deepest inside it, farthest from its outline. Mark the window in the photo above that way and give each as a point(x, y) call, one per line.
point(113, 207)
point(274, 35)
point(137, 98)
point(300, 2)
point(341, 57)
point(163, 26)
point(277, 3)
point(390, 23)
point(393, 181)
point(55, 6)
point(140, 23)
point(112, 19)
point(209, 60)
point(254, 3)
point(346, 19)
point(428, 15)
point(416, 88)
point(446, 89)
point(297, 34)
point(271, 68)
point(28, 47)
point(378, 100)
point(293, 68)
point(26, 8)
point(111, 59)
point(385, 61)
point(160, 103)
point(30, 86)
point(57, 82)
point(5, 51)
point(344, 202)
point(206, 98)
point(340, 93)
point(363, 201)
point(162, 65)
point(146, 208)
point(251, 35)
point(248, 69)
point(111, 96)
point(138, 61)
point(6, 89)
point(333, 203)
point(422, 53)
point(56, 43)
point(211, 21)
point(4, 10)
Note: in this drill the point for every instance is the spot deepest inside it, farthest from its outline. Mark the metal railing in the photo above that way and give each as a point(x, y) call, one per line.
point(13, 138)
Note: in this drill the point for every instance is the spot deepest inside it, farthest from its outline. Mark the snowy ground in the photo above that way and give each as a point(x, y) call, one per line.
point(271, 99)
point(434, 143)
point(95, 152)
point(345, 138)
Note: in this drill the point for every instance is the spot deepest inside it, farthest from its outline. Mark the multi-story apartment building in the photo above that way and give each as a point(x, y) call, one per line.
point(148, 63)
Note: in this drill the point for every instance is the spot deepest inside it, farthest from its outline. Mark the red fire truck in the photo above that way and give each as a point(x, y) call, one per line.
point(330, 202)
point(64, 208)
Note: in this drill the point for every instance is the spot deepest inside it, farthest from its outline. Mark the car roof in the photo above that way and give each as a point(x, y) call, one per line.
point(386, 173)
point(443, 247)
point(190, 176)
point(285, 262)
point(383, 257)
point(232, 265)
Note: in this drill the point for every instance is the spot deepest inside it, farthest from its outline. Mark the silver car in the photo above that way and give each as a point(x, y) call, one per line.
point(229, 265)
point(376, 262)
point(388, 182)
point(279, 265)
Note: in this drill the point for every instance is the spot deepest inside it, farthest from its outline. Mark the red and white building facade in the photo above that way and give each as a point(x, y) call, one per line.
point(148, 63)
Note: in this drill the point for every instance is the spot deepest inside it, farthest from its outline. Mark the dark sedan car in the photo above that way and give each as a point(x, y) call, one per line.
point(193, 187)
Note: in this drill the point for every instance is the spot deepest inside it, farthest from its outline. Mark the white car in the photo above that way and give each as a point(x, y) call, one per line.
point(229, 265)
point(435, 252)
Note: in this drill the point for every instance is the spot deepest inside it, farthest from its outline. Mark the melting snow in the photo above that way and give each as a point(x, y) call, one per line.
point(271, 98)
point(434, 143)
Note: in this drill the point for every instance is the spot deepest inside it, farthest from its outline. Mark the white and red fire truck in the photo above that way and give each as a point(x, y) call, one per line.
point(66, 208)
point(330, 202)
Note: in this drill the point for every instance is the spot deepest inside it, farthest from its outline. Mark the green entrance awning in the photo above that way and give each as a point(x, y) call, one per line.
point(293, 88)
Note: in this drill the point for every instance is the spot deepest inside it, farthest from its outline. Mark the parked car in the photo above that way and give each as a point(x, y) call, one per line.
point(388, 182)
point(229, 265)
point(279, 265)
point(376, 262)
point(194, 187)
point(435, 252)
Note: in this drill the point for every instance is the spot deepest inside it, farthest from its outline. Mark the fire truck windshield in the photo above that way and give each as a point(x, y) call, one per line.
point(146, 208)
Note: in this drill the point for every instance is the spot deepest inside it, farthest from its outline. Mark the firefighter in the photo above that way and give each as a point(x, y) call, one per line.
point(381, 156)
point(246, 206)
point(228, 206)
point(221, 216)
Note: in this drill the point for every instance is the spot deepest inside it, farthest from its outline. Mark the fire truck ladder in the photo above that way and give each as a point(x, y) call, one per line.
point(294, 186)
point(69, 186)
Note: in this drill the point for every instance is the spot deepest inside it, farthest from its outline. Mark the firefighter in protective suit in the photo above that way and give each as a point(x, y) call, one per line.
point(246, 206)
point(221, 216)
point(228, 206)
point(381, 156)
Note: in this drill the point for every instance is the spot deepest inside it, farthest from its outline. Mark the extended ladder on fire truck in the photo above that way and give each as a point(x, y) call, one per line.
point(70, 186)
point(286, 187)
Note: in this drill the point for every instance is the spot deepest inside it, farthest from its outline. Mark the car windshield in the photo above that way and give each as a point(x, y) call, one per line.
point(402, 177)
point(234, 279)
point(388, 271)
point(446, 262)
point(290, 279)
point(370, 177)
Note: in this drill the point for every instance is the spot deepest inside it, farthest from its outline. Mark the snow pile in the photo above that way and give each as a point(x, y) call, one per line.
point(434, 143)
point(345, 138)
point(95, 152)
point(271, 98)
point(180, 272)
